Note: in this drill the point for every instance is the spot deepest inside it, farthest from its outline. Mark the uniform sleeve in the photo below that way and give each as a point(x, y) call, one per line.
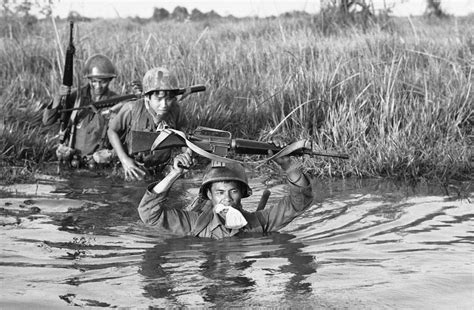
point(120, 122)
point(153, 211)
point(288, 208)
point(51, 112)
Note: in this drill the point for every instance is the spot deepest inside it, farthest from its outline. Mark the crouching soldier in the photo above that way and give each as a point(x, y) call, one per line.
point(86, 141)
point(156, 110)
point(224, 186)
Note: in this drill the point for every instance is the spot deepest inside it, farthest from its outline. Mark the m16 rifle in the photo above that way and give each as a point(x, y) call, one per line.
point(106, 103)
point(67, 81)
point(217, 144)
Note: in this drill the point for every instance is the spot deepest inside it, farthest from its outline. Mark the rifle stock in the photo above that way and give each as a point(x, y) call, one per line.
point(142, 141)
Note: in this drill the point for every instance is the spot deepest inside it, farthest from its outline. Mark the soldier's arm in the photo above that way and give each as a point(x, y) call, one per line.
point(154, 210)
point(116, 126)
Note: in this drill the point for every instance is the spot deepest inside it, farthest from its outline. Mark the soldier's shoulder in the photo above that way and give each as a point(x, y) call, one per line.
point(133, 104)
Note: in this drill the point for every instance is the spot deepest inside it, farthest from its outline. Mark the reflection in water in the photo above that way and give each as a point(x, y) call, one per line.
point(223, 272)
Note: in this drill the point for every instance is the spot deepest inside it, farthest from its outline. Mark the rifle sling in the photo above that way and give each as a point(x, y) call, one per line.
point(77, 103)
point(198, 150)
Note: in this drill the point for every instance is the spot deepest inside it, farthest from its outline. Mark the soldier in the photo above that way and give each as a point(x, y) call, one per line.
point(156, 110)
point(87, 139)
point(223, 186)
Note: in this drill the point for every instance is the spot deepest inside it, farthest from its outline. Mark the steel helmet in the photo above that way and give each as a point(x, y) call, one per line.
point(159, 79)
point(99, 66)
point(218, 172)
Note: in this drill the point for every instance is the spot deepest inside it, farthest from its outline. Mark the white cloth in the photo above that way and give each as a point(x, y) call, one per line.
point(233, 218)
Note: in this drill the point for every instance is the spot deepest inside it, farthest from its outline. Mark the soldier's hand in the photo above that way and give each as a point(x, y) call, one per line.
point(182, 162)
point(278, 142)
point(64, 90)
point(137, 87)
point(131, 171)
point(285, 161)
point(112, 110)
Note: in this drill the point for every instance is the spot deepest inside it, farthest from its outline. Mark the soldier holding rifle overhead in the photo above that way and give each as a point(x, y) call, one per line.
point(223, 186)
point(158, 109)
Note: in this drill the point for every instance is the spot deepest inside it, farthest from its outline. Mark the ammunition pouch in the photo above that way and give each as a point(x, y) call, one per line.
point(73, 157)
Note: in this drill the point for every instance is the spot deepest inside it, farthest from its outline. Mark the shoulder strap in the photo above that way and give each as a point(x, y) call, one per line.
point(77, 103)
point(72, 118)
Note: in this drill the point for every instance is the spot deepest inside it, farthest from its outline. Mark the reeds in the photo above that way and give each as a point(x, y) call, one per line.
point(399, 101)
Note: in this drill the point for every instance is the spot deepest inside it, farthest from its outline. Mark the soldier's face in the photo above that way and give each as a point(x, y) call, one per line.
point(225, 193)
point(161, 101)
point(99, 86)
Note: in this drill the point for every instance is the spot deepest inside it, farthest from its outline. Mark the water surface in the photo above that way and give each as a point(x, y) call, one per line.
point(362, 245)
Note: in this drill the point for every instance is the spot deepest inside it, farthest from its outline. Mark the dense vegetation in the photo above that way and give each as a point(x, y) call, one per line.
point(396, 96)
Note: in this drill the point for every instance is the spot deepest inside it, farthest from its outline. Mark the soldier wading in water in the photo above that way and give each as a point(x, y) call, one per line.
point(156, 110)
point(87, 141)
point(223, 187)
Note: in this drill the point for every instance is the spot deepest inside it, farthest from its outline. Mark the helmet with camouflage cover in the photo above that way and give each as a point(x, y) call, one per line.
point(219, 172)
point(99, 66)
point(157, 79)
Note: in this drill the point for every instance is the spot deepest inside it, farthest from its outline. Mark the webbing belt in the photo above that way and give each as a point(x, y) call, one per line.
point(165, 133)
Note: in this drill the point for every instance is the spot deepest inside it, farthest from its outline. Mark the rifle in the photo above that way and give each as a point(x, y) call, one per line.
point(113, 101)
point(214, 141)
point(67, 81)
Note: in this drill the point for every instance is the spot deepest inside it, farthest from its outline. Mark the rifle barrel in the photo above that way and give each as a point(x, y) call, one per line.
point(112, 101)
point(194, 89)
point(243, 146)
point(326, 154)
point(68, 64)
point(68, 76)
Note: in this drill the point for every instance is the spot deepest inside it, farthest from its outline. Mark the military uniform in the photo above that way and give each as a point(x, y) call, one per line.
point(91, 128)
point(87, 129)
point(134, 116)
point(155, 211)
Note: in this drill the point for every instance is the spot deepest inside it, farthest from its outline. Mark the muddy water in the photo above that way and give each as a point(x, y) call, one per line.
point(362, 245)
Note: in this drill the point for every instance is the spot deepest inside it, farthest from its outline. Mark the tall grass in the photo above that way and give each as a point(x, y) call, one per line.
point(398, 100)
